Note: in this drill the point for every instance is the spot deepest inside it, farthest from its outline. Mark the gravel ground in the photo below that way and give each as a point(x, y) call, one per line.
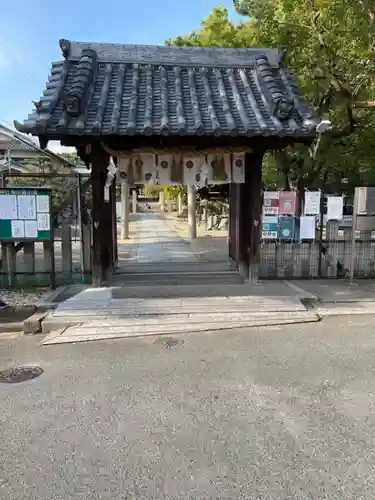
point(15, 298)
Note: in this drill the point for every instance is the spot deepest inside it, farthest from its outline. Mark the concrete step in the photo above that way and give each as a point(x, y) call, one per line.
point(126, 291)
point(206, 305)
point(177, 280)
point(99, 330)
point(175, 267)
point(188, 310)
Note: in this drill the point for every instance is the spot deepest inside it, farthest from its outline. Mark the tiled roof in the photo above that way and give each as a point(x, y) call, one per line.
point(102, 89)
point(8, 142)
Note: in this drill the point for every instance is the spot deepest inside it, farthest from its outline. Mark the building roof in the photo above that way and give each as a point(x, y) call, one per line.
point(109, 89)
point(21, 147)
point(10, 142)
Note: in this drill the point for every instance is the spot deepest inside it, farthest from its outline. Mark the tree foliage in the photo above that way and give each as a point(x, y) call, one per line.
point(330, 47)
point(172, 192)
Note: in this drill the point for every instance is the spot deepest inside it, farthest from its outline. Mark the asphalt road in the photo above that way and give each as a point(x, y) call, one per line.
point(284, 413)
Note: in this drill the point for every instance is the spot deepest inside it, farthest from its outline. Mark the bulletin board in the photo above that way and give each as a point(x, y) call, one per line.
point(25, 214)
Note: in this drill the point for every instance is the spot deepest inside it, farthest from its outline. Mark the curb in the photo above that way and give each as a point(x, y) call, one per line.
point(17, 311)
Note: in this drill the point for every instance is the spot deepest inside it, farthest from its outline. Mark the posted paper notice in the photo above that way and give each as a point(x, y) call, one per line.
point(312, 203)
point(8, 207)
point(43, 221)
point(17, 228)
point(31, 229)
point(335, 207)
point(42, 203)
point(26, 206)
point(307, 227)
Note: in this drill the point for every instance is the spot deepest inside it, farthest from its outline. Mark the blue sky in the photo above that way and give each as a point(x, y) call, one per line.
point(31, 29)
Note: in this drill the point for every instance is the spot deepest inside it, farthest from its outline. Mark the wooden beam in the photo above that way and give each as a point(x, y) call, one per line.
point(102, 252)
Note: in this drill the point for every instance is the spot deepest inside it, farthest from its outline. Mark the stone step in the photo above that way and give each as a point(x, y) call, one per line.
point(102, 331)
point(173, 267)
point(137, 307)
point(186, 310)
point(178, 281)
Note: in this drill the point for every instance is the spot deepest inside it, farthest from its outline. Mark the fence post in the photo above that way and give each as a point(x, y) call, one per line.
point(364, 254)
point(66, 248)
point(29, 257)
point(347, 247)
point(86, 249)
point(47, 256)
point(8, 251)
point(332, 236)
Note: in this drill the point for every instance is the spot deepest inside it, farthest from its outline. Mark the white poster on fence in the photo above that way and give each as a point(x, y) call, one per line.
point(312, 203)
point(335, 207)
point(307, 225)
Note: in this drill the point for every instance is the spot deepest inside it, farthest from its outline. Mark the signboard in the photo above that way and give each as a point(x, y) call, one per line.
point(365, 200)
point(25, 214)
point(269, 227)
point(286, 228)
point(307, 227)
point(288, 200)
point(271, 202)
point(335, 208)
point(312, 203)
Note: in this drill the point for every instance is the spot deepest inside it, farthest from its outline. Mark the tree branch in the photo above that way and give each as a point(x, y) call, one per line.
point(364, 104)
point(349, 128)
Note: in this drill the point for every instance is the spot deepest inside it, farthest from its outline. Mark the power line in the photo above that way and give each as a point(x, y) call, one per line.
point(13, 57)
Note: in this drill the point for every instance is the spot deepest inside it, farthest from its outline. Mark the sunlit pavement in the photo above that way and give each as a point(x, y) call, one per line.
point(284, 412)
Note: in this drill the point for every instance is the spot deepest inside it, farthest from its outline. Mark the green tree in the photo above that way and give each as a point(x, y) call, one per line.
point(330, 48)
point(172, 192)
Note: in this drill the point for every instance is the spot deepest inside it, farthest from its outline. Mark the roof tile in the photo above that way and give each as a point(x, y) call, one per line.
point(103, 89)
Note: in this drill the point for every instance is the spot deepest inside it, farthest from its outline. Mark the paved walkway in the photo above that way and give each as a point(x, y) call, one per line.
point(158, 238)
point(202, 294)
point(152, 239)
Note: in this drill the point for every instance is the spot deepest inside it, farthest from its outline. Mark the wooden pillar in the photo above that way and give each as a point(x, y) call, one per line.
point(102, 252)
point(244, 218)
point(66, 249)
point(192, 212)
point(233, 237)
point(134, 201)
point(253, 193)
point(113, 194)
point(124, 235)
point(29, 257)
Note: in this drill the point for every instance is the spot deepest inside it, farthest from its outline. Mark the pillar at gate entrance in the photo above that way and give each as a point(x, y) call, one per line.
point(192, 219)
point(124, 234)
point(134, 201)
point(179, 204)
point(161, 201)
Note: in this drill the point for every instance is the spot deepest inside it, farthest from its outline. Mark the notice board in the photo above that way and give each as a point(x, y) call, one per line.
point(25, 214)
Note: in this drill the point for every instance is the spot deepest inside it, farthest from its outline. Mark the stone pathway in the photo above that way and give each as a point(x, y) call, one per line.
point(95, 314)
point(156, 260)
point(153, 240)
